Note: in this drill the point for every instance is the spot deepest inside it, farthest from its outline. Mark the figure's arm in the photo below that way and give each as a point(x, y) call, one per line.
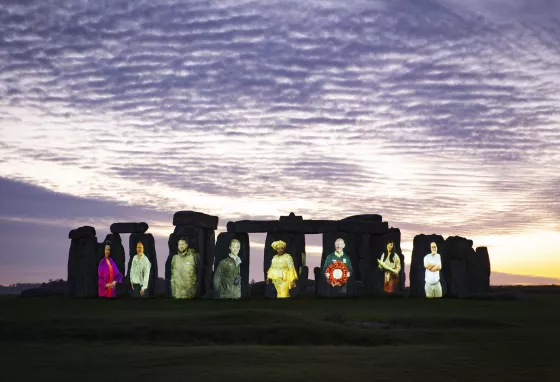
point(326, 263)
point(100, 280)
point(172, 266)
point(146, 275)
point(118, 275)
point(217, 277)
point(349, 265)
point(291, 274)
point(397, 264)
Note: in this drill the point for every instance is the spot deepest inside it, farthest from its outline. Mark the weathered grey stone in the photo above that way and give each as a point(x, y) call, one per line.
point(222, 251)
point(194, 218)
point(129, 227)
point(81, 232)
point(421, 247)
point(150, 252)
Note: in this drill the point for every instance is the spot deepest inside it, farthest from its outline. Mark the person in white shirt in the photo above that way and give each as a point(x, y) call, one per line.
point(432, 263)
point(140, 272)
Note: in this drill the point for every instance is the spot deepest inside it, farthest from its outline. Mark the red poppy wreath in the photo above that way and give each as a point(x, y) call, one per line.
point(337, 273)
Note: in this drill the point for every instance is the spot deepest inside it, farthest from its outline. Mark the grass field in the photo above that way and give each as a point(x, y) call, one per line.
point(370, 339)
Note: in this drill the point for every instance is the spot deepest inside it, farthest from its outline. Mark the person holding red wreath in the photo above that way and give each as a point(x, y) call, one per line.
point(337, 269)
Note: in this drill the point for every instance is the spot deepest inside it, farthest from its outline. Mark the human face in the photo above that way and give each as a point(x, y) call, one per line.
point(280, 250)
point(182, 245)
point(339, 245)
point(389, 247)
point(433, 247)
point(139, 248)
point(234, 247)
point(107, 251)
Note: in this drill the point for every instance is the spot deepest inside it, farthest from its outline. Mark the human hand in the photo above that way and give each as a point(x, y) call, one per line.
point(131, 284)
point(348, 274)
point(268, 281)
point(142, 292)
point(327, 274)
point(293, 284)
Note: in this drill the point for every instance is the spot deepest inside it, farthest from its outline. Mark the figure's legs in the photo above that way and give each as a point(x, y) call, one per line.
point(282, 289)
point(428, 290)
point(437, 290)
point(136, 291)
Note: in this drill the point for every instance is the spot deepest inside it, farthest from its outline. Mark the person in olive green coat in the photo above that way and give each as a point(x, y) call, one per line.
point(184, 267)
point(227, 277)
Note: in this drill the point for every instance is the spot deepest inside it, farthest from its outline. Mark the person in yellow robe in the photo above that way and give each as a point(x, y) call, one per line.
point(282, 271)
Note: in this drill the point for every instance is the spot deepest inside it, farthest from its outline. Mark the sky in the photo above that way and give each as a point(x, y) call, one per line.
point(443, 116)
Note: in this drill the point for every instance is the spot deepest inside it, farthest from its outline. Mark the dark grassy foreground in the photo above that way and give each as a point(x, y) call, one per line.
point(304, 339)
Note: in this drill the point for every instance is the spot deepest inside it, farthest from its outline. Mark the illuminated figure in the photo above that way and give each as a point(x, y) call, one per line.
point(108, 275)
point(391, 264)
point(184, 264)
point(140, 272)
point(282, 271)
point(337, 279)
point(227, 278)
point(432, 263)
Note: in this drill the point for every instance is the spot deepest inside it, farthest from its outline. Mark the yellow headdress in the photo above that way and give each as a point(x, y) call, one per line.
point(278, 243)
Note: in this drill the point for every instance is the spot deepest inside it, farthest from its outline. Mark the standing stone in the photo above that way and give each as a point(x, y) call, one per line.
point(295, 246)
point(458, 250)
point(421, 247)
point(119, 257)
point(82, 263)
point(196, 240)
point(222, 251)
point(199, 229)
point(478, 270)
point(150, 252)
point(485, 268)
point(394, 234)
point(351, 246)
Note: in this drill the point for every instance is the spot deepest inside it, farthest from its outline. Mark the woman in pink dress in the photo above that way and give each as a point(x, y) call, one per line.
point(108, 275)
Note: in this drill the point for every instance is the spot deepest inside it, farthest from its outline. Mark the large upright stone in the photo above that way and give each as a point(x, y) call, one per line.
point(222, 251)
point(421, 247)
point(82, 263)
point(195, 239)
point(372, 276)
point(351, 246)
point(150, 252)
point(295, 246)
point(458, 251)
point(118, 255)
point(478, 270)
point(198, 228)
point(485, 268)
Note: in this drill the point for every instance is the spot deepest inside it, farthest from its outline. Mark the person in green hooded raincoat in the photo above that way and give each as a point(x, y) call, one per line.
point(227, 277)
